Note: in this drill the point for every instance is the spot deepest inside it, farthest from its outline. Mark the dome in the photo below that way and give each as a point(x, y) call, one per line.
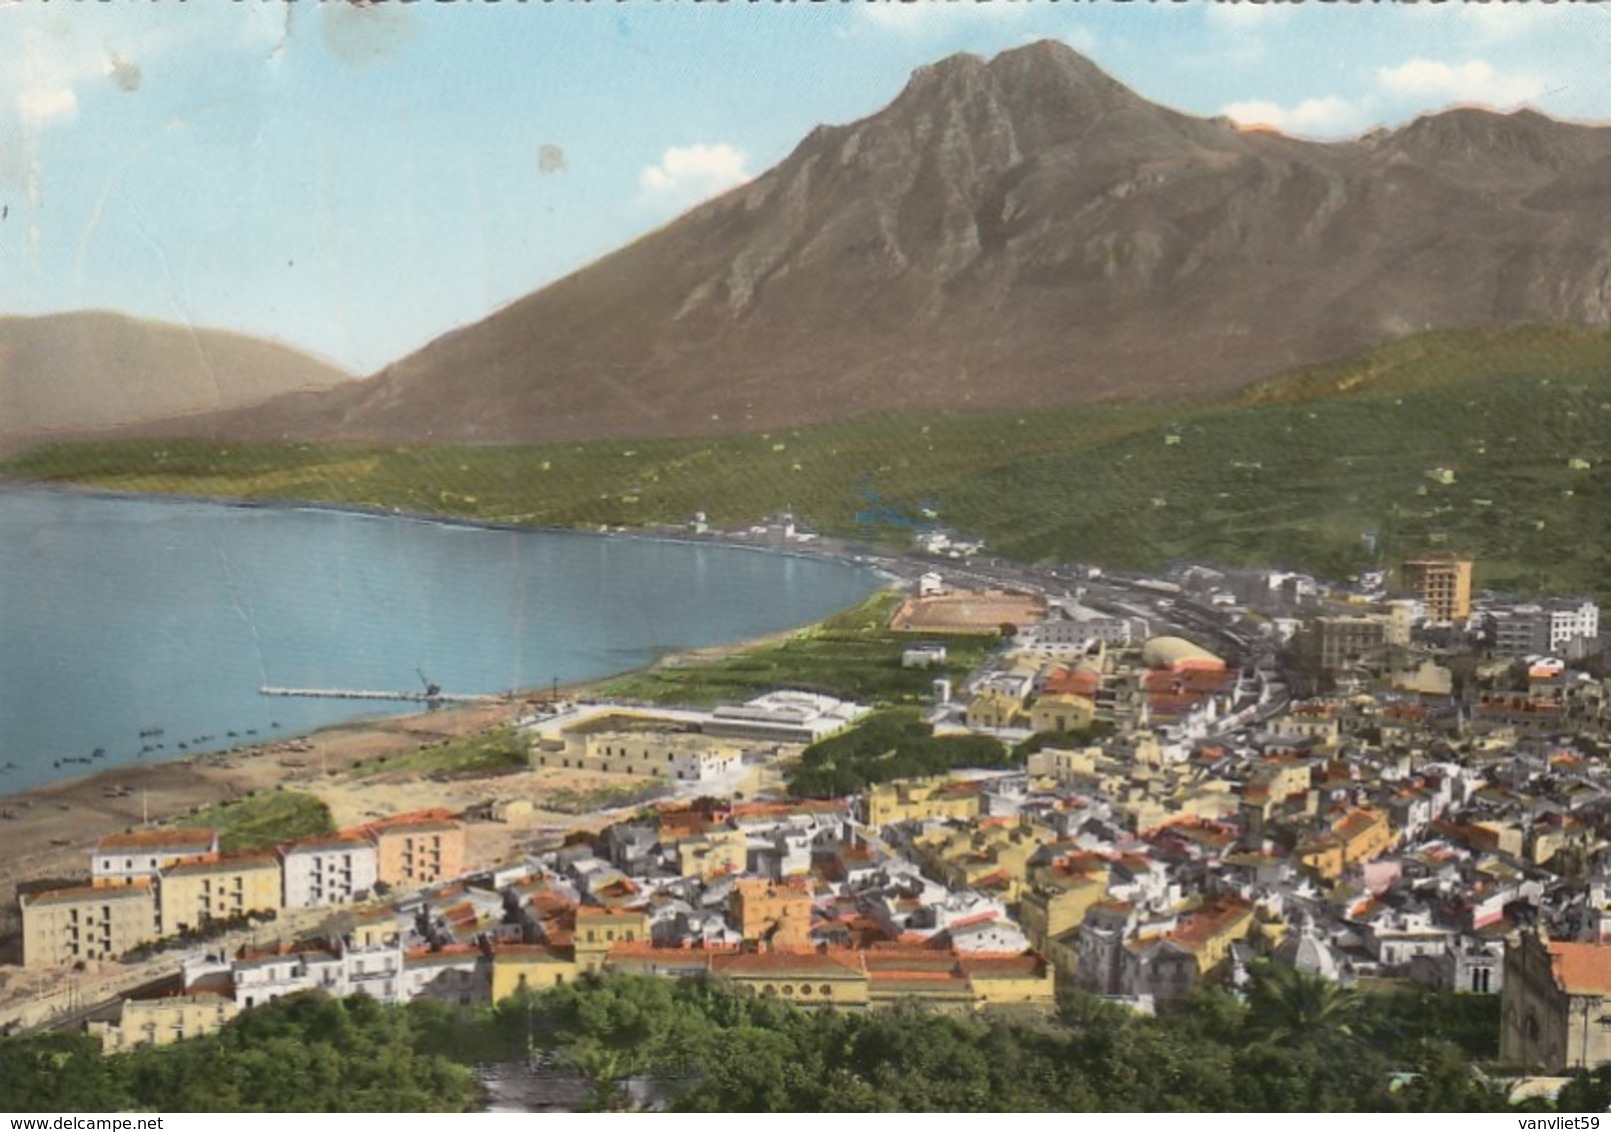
point(1177, 652)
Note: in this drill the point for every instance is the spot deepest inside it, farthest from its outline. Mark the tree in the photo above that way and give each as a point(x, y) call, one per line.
point(1287, 1006)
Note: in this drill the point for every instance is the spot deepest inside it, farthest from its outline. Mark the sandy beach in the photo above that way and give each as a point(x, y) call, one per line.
point(50, 829)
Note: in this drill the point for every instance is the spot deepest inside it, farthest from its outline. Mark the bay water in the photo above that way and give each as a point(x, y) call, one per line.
point(143, 628)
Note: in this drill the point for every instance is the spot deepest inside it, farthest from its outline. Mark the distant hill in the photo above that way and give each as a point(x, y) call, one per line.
point(79, 373)
point(1497, 442)
point(1023, 231)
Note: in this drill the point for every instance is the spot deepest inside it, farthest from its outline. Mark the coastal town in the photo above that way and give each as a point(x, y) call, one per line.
point(1393, 781)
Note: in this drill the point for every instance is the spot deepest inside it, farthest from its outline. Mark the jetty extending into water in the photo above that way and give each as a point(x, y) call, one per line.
point(428, 697)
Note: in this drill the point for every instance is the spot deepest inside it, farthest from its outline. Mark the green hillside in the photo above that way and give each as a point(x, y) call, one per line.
point(1493, 441)
point(1495, 444)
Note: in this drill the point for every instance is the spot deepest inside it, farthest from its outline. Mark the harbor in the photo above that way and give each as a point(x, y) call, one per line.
point(428, 696)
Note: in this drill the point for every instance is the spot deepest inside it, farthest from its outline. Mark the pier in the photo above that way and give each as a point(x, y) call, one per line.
point(431, 697)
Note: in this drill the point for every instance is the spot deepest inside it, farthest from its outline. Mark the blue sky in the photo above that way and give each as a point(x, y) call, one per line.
point(357, 180)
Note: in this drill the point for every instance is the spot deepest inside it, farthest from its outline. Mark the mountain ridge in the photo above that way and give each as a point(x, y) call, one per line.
point(1010, 233)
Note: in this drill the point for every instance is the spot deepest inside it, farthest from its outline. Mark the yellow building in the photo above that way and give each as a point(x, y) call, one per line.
point(1209, 931)
point(135, 1022)
point(920, 799)
point(967, 858)
point(599, 929)
point(510, 811)
point(641, 746)
point(1057, 900)
point(1443, 583)
point(1062, 713)
point(1282, 777)
point(776, 913)
point(191, 895)
point(1358, 836)
point(374, 927)
point(805, 978)
point(68, 924)
point(1066, 767)
point(1010, 980)
point(714, 852)
point(530, 967)
point(995, 709)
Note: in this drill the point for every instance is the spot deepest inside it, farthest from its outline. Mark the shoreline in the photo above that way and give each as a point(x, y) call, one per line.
point(50, 829)
point(835, 551)
point(819, 551)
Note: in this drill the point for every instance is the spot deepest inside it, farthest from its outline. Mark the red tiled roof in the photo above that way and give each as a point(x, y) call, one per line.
point(175, 840)
point(529, 951)
point(592, 912)
point(1026, 965)
point(801, 964)
point(1582, 968)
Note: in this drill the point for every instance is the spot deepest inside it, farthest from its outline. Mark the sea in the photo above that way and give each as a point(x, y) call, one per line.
point(136, 629)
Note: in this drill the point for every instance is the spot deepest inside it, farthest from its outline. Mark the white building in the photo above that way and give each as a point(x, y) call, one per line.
point(334, 870)
point(337, 969)
point(1071, 628)
point(785, 716)
point(1564, 627)
point(123, 858)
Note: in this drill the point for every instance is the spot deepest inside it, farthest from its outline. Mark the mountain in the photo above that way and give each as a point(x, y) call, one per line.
point(1013, 233)
point(71, 374)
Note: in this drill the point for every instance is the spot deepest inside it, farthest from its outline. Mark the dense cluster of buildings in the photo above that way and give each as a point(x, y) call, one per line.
point(154, 883)
point(1370, 789)
point(778, 900)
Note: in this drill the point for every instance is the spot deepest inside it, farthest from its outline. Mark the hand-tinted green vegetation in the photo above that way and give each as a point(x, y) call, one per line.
point(306, 1053)
point(1296, 1044)
point(262, 820)
point(1499, 444)
point(1062, 740)
point(486, 752)
point(887, 745)
point(1495, 441)
point(851, 655)
point(721, 1052)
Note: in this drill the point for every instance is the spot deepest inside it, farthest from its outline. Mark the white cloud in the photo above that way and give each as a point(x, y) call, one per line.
point(43, 103)
point(689, 173)
point(935, 17)
point(1315, 117)
point(1473, 81)
point(1082, 39)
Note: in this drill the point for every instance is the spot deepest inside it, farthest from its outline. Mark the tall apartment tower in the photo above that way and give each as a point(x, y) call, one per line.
point(1443, 583)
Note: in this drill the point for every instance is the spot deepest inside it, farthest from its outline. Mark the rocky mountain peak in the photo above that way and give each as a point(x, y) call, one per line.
point(1015, 232)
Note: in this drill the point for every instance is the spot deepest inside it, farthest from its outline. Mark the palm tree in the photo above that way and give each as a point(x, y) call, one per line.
point(1287, 1006)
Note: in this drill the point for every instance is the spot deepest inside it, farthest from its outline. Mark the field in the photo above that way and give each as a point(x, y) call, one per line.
point(488, 752)
point(1509, 463)
point(1492, 441)
point(263, 820)
point(851, 656)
